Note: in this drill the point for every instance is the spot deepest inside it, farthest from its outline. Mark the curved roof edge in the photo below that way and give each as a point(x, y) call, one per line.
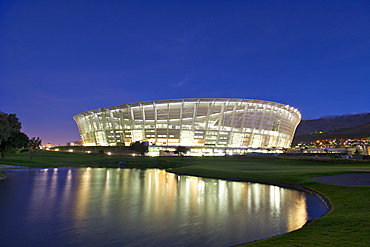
point(187, 99)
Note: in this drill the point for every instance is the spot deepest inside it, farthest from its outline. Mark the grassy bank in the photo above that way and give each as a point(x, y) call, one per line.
point(60, 159)
point(348, 224)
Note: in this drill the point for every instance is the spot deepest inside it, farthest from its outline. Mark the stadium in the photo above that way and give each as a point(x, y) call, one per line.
point(207, 126)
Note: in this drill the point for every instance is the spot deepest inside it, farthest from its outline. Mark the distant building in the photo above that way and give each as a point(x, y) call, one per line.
point(200, 122)
point(75, 143)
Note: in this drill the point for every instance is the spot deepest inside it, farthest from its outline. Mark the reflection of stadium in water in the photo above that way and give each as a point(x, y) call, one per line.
point(131, 207)
point(234, 123)
point(184, 200)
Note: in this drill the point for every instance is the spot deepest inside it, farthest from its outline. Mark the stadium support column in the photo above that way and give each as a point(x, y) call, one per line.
point(168, 123)
point(155, 121)
point(231, 137)
point(144, 120)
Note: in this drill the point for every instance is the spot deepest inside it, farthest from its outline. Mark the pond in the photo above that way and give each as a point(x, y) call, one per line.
point(132, 207)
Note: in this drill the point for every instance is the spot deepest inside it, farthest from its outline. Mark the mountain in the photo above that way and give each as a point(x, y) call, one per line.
point(328, 123)
point(352, 126)
point(356, 132)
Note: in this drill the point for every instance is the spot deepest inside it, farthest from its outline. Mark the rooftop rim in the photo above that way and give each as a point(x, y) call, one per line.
point(189, 99)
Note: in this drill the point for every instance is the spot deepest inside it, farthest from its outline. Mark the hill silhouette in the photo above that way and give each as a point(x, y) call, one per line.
point(329, 123)
point(334, 127)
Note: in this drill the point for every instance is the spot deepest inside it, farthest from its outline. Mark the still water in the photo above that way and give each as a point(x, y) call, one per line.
point(131, 207)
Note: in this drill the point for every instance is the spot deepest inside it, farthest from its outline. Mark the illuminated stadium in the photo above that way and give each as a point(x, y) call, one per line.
point(201, 124)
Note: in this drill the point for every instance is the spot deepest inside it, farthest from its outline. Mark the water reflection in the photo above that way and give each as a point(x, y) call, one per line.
point(116, 207)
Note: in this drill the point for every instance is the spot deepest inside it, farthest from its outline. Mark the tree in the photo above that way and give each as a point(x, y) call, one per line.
point(5, 126)
point(140, 147)
point(34, 145)
point(11, 137)
point(358, 152)
point(181, 151)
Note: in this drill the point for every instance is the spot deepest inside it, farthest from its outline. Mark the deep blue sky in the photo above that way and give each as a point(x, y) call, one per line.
point(61, 58)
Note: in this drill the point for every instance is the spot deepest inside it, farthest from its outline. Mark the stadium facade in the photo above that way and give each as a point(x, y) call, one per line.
point(219, 124)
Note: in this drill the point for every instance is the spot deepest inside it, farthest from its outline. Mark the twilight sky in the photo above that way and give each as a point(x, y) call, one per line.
point(61, 58)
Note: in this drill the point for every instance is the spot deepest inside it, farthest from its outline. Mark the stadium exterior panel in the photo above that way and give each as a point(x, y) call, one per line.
point(201, 122)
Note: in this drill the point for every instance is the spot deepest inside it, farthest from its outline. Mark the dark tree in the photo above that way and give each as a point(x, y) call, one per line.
point(139, 147)
point(181, 151)
point(34, 145)
point(11, 137)
point(7, 125)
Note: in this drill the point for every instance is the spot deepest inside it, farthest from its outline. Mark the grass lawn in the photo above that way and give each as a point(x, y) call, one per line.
point(348, 223)
point(58, 159)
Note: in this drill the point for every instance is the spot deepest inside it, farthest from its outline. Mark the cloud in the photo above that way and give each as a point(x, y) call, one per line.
point(180, 83)
point(188, 78)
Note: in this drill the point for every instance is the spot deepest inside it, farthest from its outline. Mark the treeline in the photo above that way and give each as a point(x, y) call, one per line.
point(13, 139)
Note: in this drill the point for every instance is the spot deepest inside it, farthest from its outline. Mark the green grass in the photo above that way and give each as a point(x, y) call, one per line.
point(57, 159)
point(50, 159)
point(347, 224)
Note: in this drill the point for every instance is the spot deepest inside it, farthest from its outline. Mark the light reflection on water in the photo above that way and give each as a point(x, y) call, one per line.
point(130, 207)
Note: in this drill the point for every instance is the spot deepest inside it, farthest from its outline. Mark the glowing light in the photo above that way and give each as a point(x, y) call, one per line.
point(109, 153)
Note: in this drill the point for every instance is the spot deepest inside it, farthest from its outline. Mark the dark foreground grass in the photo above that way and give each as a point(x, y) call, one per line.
point(60, 159)
point(347, 224)
point(50, 159)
